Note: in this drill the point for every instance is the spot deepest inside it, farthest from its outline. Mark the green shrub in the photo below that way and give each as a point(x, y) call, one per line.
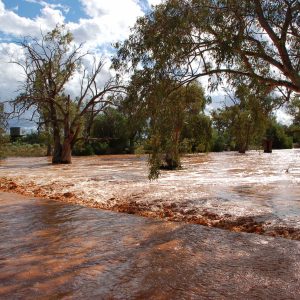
point(218, 143)
point(83, 149)
point(280, 139)
point(100, 148)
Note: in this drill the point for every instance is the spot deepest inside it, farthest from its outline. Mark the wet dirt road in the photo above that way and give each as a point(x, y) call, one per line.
point(55, 250)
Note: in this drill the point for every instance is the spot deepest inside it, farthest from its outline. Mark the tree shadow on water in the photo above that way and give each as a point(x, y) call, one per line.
point(76, 252)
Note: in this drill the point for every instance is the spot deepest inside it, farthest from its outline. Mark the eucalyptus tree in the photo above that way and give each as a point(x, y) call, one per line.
point(169, 114)
point(240, 41)
point(50, 63)
point(246, 118)
point(156, 103)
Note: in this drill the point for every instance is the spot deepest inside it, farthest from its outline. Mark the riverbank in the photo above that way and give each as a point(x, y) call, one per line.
point(256, 192)
point(55, 250)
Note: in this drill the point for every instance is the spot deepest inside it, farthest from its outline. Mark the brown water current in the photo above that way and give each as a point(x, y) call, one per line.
point(255, 192)
point(55, 250)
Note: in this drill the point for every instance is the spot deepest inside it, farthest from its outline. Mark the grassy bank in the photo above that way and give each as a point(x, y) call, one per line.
point(22, 149)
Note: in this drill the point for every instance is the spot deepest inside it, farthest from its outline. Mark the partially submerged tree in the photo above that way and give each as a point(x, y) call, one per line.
point(248, 40)
point(251, 42)
point(277, 133)
point(152, 100)
point(172, 113)
point(50, 63)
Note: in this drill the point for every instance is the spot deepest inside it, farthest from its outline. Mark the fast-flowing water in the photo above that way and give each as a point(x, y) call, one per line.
point(54, 250)
point(217, 186)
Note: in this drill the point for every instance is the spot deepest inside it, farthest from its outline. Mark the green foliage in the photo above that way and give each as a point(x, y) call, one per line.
point(218, 142)
point(277, 133)
point(242, 41)
point(196, 133)
point(110, 128)
point(293, 108)
point(4, 140)
point(169, 113)
point(100, 148)
point(245, 120)
point(83, 149)
point(35, 138)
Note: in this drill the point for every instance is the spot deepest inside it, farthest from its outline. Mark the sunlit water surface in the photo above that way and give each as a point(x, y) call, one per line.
point(255, 184)
point(53, 250)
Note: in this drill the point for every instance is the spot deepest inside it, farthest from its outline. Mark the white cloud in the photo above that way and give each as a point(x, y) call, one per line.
point(2, 7)
point(121, 10)
point(109, 21)
point(154, 2)
point(49, 18)
point(283, 118)
point(11, 74)
point(11, 23)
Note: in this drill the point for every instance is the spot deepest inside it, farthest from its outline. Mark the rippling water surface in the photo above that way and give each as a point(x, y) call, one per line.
point(52, 250)
point(255, 184)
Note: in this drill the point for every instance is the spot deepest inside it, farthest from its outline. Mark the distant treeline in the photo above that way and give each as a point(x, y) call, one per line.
point(112, 133)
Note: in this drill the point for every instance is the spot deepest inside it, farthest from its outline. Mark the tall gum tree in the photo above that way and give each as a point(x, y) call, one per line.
point(166, 109)
point(50, 63)
point(246, 40)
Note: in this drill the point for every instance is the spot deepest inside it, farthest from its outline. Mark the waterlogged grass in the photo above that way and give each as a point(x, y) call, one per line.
point(23, 150)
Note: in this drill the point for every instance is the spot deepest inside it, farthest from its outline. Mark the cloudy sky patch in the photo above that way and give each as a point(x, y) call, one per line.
point(97, 23)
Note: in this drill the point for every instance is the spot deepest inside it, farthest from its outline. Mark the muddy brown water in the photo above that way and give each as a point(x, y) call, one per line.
point(255, 192)
point(54, 250)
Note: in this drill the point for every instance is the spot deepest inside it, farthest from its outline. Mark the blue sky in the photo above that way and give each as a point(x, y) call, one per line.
point(97, 23)
point(31, 10)
point(72, 8)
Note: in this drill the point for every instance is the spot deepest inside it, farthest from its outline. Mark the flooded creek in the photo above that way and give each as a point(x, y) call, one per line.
point(55, 250)
point(255, 192)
